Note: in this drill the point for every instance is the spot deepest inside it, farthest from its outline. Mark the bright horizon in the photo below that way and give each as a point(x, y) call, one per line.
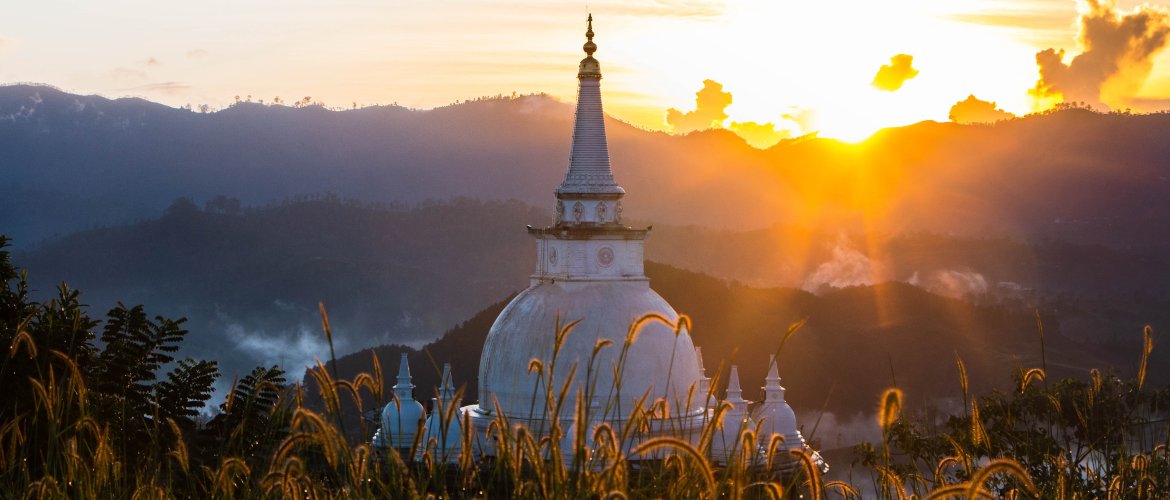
point(797, 67)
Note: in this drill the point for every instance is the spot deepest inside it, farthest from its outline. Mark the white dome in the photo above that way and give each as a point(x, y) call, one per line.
point(443, 437)
point(725, 442)
point(400, 422)
point(402, 416)
point(778, 419)
point(774, 415)
point(658, 361)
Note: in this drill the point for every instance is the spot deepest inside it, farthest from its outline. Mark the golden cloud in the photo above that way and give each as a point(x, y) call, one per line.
point(710, 103)
point(975, 110)
point(759, 135)
point(710, 112)
point(1117, 50)
point(890, 77)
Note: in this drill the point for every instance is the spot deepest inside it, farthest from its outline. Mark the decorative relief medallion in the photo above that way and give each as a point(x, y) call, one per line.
point(552, 256)
point(602, 208)
point(578, 211)
point(605, 256)
point(617, 212)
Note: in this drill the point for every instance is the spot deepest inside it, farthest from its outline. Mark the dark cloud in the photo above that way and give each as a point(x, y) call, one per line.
point(710, 103)
point(1116, 57)
point(890, 77)
point(975, 110)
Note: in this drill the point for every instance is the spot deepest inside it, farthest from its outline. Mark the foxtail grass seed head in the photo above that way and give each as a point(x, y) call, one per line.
point(1147, 348)
point(889, 408)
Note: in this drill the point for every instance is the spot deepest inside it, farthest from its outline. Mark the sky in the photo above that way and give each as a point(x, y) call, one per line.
point(764, 68)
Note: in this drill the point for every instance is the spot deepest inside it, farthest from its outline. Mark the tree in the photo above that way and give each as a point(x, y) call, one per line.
point(252, 417)
point(185, 391)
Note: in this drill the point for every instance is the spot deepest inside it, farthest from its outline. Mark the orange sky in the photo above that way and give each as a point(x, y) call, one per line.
point(798, 66)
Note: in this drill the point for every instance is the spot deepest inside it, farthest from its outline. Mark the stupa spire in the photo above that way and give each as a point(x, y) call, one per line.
point(447, 389)
point(734, 391)
point(590, 176)
point(404, 389)
point(773, 391)
point(704, 380)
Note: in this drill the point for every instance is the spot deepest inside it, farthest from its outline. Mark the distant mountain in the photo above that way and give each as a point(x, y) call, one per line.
point(71, 162)
point(856, 342)
point(250, 279)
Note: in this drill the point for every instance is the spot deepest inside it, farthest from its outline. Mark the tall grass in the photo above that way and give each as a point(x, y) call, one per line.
point(1101, 437)
point(1104, 437)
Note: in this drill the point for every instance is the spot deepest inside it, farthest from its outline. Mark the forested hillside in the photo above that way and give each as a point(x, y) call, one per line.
point(73, 162)
point(249, 279)
point(895, 334)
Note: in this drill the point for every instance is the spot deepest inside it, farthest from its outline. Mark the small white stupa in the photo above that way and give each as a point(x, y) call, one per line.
point(443, 436)
point(774, 414)
point(402, 416)
point(725, 444)
point(704, 388)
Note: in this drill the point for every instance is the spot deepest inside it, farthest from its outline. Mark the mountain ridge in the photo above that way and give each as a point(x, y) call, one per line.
point(74, 162)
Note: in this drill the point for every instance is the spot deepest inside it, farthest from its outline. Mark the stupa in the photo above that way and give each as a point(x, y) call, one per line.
point(589, 329)
point(589, 271)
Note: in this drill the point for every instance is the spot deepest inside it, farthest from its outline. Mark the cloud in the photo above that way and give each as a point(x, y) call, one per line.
point(151, 61)
point(160, 88)
point(759, 135)
point(890, 77)
point(836, 432)
point(291, 350)
point(197, 53)
point(975, 110)
point(665, 8)
point(123, 73)
point(1039, 23)
point(710, 105)
point(25, 111)
point(848, 267)
point(802, 120)
point(1117, 50)
point(951, 283)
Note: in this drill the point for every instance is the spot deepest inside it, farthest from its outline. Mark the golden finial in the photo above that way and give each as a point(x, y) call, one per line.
point(589, 68)
point(589, 47)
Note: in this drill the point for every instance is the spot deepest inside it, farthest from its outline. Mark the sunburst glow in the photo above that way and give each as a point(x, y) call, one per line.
point(800, 66)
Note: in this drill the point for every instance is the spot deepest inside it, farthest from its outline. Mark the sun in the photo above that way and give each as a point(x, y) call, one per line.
point(781, 59)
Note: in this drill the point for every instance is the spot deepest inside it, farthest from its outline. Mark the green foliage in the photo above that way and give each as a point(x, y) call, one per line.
point(92, 417)
point(253, 415)
point(186, 389)
point(1101, 437)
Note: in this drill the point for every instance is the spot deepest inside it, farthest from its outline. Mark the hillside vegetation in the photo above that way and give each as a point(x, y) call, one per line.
point(104, 417)
point(72, 162)
point(249, 279)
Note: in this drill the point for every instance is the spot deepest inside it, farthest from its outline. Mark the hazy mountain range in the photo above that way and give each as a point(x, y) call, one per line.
point(250, 279)
point(73, 162)
point(1061, 212)
point(855, 343)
